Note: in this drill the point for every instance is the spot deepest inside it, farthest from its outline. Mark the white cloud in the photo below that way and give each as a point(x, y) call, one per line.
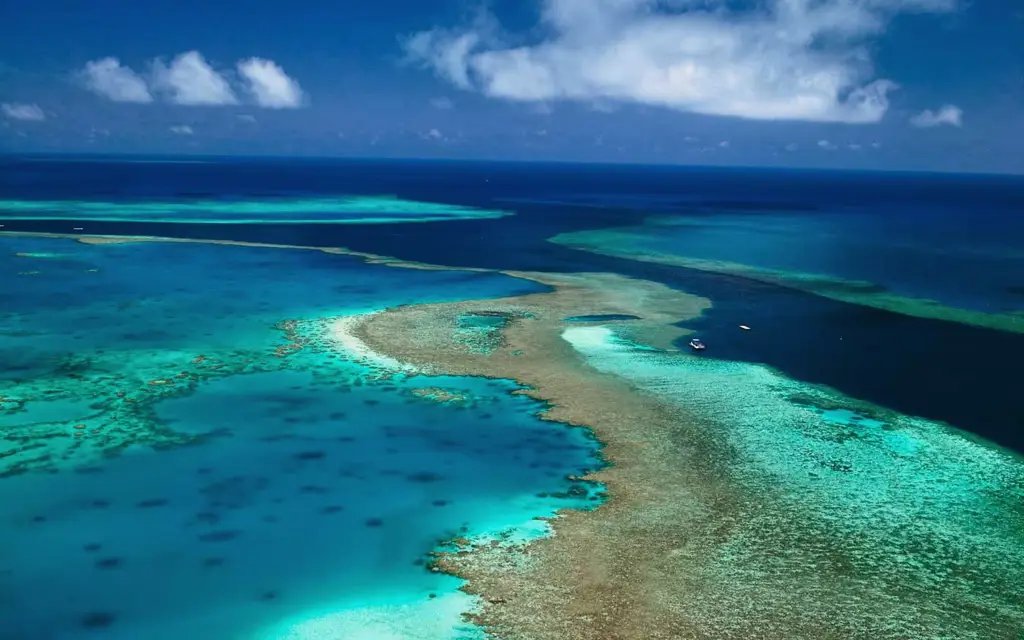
point(855, 147)
point(182, 130)
point(245, 117)
point(108, 78)
point(792, 146)
point(790, 60)
point(16, 111)
point(442, 103)
point(434, 134)
point(189, 80)
point(724, 144)
point(825, 144)
point(948, 114)
point(270, 85)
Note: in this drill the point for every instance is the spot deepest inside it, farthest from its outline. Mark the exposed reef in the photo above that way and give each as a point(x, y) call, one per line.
point(622, 244)
point(788, 524)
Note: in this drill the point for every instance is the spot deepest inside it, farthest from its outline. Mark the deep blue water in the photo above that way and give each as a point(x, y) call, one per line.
point(967, 376)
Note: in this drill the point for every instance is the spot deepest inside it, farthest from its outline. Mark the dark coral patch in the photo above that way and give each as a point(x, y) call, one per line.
point(374, 522)
point(99, 504)
point(440, 503)
point(425, 477)
point(310, 455)
point(154, 502)
point(98, 620)
point(220, 536)
point(108, 563)
point(209, 563)
point(333, 508)
point(92, 547)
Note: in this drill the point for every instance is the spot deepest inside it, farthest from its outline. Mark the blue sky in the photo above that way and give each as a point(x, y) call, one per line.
point(887, 84)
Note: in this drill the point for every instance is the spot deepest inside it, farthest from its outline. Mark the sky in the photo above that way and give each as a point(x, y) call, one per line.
point(859, 84)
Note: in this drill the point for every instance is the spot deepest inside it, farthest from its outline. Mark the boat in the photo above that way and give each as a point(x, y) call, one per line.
point(697, 344)
point(744, 327)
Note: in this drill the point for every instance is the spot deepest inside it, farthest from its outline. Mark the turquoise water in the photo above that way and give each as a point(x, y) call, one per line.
point(333, 210)
point(178, 462)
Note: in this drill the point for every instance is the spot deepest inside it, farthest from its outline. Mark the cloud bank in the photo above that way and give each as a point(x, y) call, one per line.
point(803, 60)
point(108, 78)
point(949, 114)
point(189, 80)
point(26, 112)
point(270, 85)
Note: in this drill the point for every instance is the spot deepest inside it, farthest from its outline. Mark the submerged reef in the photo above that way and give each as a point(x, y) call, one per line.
point(627, 244)
point(344, 210)
point(742, 504)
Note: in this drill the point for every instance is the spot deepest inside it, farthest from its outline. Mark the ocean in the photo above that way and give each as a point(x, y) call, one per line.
point(254, 491)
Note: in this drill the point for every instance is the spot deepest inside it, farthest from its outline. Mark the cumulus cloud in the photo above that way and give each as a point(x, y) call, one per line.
point(825, 144)
point(190, 80)
point(434, 134)
point(948, 114)
point(182, 130)
point(29, 112)
point(787, 60)
point(270, 85)
point(107, 77)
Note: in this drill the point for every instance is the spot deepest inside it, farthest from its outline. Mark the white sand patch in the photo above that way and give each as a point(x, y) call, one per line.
point(342, 333)
point(438, 618)
point(592, 340)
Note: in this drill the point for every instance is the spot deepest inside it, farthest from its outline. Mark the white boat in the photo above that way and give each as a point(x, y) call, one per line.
point(744, 327)
point(697, 345)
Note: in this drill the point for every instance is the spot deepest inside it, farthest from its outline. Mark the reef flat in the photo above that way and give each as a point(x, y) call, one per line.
point(631, 244)
point(334, 210)
point(741, 504)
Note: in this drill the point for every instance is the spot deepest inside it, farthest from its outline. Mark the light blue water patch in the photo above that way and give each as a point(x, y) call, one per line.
point(14, 411)
point(312, 495)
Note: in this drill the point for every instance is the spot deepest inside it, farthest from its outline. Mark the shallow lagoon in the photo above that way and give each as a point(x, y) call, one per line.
point(292, 496)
